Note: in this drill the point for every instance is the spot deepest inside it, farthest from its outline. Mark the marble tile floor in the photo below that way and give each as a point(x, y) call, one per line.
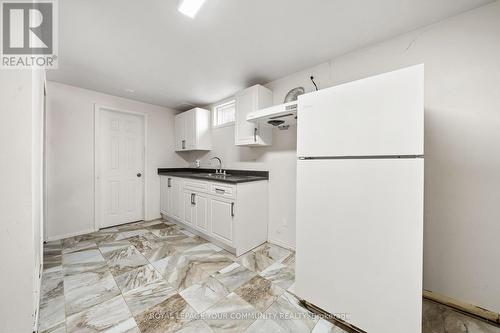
point(157, 277)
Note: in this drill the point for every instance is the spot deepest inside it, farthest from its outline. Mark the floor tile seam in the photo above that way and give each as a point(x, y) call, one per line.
point(123, 298)
point(108, 271)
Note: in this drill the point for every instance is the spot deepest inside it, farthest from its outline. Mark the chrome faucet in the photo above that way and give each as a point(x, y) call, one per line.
point(218, 171)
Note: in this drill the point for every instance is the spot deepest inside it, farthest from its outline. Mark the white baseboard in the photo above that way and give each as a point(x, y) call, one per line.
point(153, 219)
point(82, 232)
point(72, 234)
point(282, 244)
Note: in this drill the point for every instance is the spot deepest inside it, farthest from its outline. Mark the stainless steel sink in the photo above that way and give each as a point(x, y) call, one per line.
point(216, 175)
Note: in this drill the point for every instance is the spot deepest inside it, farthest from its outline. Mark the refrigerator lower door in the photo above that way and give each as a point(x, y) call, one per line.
point(359, 240)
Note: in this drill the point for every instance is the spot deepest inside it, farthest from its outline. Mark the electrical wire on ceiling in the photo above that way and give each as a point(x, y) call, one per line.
point(312, 80)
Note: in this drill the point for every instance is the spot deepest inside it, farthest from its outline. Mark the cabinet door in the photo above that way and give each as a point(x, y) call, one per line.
point(221, 219)
point(163, 195)
point(176, 191)
point(193, 130)
point(190, 129)
point(245, 131)
point(180, 132)
point(201, 206)
point(189, 208)
point(168, 198)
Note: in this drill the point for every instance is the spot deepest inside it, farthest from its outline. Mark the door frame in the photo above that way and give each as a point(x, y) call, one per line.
point(45, 175)
point(98, 108)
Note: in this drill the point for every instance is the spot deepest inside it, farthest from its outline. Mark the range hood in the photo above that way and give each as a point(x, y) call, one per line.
point(281, 116)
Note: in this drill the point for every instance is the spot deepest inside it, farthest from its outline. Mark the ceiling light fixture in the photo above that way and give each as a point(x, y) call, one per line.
point(190, 7)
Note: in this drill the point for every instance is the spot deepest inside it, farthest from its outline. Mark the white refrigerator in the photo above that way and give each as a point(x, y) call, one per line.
point(360, 181)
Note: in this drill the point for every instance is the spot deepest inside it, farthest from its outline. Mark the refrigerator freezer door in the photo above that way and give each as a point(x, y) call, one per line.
point(359, 240)
point(380, 115)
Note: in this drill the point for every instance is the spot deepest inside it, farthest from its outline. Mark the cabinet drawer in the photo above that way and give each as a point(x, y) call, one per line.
point(194, 185)
point(226, 191)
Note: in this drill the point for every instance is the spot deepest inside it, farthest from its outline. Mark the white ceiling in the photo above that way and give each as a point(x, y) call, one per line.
point(169, 59)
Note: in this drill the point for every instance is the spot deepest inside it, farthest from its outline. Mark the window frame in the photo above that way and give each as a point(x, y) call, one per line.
point(224, 102)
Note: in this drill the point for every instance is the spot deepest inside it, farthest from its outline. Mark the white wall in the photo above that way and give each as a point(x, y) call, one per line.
point(37, 179)
point(462, 136)
point(462, 180)
point(70, 155)
point(21, 200)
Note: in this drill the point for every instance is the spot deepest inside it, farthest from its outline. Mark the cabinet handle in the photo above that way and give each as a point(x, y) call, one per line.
point(232, 209)
point(183, 144)
point(220, 191)
point(193, 196)
point(169, 184)
point(255, 134)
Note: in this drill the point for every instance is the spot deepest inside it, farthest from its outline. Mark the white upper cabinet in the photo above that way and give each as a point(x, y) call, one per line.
point(246, 133)
point(192, 130)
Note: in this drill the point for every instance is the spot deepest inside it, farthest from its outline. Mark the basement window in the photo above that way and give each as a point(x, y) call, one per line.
point(223, 113)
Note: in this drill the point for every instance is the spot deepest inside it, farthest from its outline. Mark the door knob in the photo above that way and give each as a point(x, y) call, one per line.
point(139, 174)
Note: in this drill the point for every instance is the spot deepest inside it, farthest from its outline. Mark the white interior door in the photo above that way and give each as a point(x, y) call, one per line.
point(121, 168)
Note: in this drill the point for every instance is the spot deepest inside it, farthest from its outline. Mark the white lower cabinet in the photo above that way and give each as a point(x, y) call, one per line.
point(201, 201)
point(171, 196)
point(221, 218)
point(189, 208)
point(232, 216)
point(176, 198)
point(163, 195)
point(195, 207)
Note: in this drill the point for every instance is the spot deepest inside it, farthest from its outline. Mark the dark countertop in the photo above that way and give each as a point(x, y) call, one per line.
point(231, 177)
